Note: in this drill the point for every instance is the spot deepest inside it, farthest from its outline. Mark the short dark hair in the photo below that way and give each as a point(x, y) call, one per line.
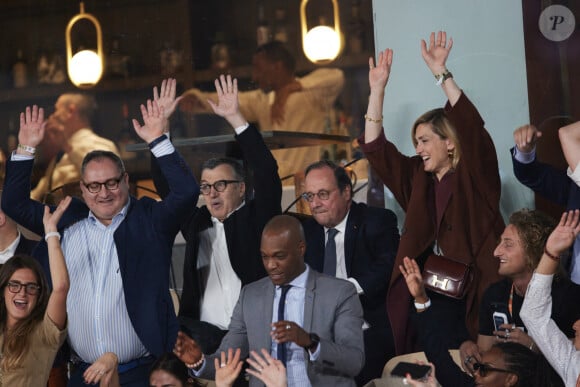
point(342, 178)
point(100, 155)
point(276, 51)
point(236, 165)
point(170, 363)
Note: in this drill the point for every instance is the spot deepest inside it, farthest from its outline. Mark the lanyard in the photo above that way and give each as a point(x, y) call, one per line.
point(511, 302)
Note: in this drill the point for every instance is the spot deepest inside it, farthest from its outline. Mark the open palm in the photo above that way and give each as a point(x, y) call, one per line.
point(227, 91)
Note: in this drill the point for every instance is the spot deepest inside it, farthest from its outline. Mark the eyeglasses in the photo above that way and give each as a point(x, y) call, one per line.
point(219, 186)
point(322, 195)
point(484, 369)
point(31, 289)
point(111, 184)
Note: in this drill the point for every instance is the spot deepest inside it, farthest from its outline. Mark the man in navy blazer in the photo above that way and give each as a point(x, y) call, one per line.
point(112, 242)
point(318, 327)
point(550, 182)
point(364, 251)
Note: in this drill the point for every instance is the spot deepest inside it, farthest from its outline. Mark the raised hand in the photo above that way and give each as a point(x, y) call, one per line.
point(103, 371)
point(412, 275)
point(436, 54)
point(166, 97)
point(227, 368)
point(565, 233)
point(379, 74)
point(31, 126)
point(526, 137)
point(154, 122)
point(227, 91)
point(269, 370)
point(50, 220)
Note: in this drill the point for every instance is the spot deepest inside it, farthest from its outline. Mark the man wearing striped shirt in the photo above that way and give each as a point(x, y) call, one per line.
point(117, 250)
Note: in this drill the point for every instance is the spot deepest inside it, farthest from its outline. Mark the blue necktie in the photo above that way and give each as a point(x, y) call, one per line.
point(330, 253)
point(281, 305)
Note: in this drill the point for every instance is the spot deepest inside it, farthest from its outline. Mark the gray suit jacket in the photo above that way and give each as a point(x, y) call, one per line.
point(332, 310)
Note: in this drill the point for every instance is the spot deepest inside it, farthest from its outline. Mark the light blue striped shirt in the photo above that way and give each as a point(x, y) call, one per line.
point(97, 313)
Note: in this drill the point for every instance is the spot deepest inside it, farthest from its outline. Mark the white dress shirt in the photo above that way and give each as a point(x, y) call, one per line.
point(9, 251)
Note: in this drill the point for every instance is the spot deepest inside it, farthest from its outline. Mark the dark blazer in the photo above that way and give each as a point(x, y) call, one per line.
point(550, 182)
point(144, 241)
point(370, 246)
point(243, 228)
point(332, 310)
point(25, 246)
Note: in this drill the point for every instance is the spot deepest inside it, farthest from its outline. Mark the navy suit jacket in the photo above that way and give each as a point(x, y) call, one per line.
point(550, 182)
point(144, 242)
point(371, 242)
point(25, 246)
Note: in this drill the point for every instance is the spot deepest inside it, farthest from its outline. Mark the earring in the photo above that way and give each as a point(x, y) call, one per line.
point(450, 154)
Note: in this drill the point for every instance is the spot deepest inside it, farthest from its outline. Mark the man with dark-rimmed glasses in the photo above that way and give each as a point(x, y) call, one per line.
point(223, 237)
point(117, 250)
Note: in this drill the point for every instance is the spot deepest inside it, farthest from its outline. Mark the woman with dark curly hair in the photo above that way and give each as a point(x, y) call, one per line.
point(32, 318)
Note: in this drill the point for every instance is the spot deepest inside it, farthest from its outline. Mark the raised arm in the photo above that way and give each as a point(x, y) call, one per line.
point(570, 140)
point(56, 308)
point(559, 242)
point(435, 57)
point(165, 98)
point(228, 105)
point(526, 138)
point(154, 120)
point(378, 78)
point(31, 130)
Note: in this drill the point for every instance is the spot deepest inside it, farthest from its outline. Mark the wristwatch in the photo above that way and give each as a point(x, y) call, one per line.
point(443, 77)
point(314, 341)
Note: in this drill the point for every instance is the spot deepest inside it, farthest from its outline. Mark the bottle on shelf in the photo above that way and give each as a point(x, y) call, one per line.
point(263, 33)
point(126, 135)
point(281, 28)
point(356, 30)
point(20, 71)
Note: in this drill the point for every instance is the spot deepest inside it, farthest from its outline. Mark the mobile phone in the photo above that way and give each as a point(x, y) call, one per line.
point(417, 371)
point(499, 318)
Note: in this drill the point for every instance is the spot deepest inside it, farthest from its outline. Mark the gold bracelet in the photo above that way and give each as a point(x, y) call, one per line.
point(373, 119)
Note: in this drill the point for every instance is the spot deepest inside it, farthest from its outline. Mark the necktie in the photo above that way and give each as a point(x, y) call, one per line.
point(281, 306)
point(330, 253)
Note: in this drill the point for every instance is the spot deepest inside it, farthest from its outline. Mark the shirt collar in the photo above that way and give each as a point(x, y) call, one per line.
point(216, 220)
point(341, 227)
point(13, 245)
point(300, 281)
point(117, 218)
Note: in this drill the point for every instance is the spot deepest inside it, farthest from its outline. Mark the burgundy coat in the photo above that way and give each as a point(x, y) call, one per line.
point(471, 224)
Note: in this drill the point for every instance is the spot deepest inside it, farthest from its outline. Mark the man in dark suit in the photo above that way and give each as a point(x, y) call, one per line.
point(11, 239)
point(550, 182)
point(361, 250)
point(222, 253)
point(117, 248)
point(309, 321)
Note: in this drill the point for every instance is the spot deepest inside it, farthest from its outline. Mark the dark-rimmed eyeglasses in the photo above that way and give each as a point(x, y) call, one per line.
point(111, 184)
point(484, 369)
point(30, 288)
point(219, 186)
point(322, 195)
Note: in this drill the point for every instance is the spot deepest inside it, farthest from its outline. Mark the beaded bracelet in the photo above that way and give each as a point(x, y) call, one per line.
point(197, 363)
point(554, 257)
point(26, 148)
point(52, 234)
point(376, 121)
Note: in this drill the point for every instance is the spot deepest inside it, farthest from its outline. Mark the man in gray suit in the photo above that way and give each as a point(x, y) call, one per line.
point(319, 335)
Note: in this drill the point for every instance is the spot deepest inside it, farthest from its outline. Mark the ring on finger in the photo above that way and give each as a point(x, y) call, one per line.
point(507, 334)
point(222, 365)
point(288, 326)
